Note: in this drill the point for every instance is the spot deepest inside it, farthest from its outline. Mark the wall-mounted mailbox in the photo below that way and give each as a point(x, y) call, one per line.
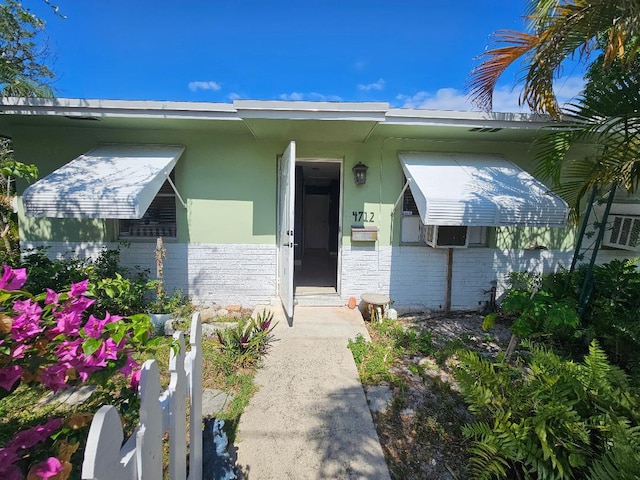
point(364, 234)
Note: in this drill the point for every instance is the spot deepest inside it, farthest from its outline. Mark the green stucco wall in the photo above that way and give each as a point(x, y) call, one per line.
point(229, 183)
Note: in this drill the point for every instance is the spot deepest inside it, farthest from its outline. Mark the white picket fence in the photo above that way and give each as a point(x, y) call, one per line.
point(140, 458)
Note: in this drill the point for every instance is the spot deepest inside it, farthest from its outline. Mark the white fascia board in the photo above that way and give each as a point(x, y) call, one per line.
point(304, 110)
point(72, 107)
point(403, 116)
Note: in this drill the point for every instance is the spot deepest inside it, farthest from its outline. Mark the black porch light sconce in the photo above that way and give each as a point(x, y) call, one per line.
point(360, 173)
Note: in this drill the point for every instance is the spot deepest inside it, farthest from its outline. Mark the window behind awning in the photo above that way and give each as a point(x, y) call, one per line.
point(110, 181)
point(480, 190)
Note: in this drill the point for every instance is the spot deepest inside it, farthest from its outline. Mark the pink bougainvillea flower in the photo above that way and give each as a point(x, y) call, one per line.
point(31, 437)
point(85, 370)
point(54, 377)
point(94, 327)
point(128, 366)
point(80, 304)
point(25, 327)
point(68, 323)
point(47, 468)
point(109, 349)
point(134, 382)
point(27, 307)
point(52, 297)
point(108, 318)
point(69, 352)
point(18, 352)
point(78, 289)
point(9, 375)
point(13, 279)
point(27, 324)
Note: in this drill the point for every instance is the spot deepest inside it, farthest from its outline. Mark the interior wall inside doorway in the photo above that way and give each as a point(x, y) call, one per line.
point(317, 211)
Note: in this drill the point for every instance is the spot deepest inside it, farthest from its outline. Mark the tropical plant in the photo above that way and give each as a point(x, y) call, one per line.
point(538, 311)
point(606, 117)
point(613, 314)
point(249, 340)
point(548, 418)
point(558, 30)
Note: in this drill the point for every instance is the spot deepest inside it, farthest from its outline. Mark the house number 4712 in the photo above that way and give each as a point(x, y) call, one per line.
point(362, 216)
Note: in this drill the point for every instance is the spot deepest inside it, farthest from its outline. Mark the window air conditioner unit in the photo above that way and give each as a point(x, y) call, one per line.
point(445, 236)
point(624, 232)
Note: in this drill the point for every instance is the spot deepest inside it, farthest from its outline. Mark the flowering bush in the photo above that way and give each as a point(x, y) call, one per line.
point(50, 340)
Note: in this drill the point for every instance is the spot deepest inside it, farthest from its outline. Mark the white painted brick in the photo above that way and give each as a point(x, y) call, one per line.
point(413, 276)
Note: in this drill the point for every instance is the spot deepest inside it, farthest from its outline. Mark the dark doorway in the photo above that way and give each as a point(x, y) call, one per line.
point(317, 209)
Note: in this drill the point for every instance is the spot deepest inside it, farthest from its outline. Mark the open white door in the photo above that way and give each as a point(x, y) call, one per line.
point(286, 203)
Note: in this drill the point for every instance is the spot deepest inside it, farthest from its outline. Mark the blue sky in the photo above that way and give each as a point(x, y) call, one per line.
point(409, 53)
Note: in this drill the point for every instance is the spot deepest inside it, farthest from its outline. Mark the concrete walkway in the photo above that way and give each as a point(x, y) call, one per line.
point(310, 418)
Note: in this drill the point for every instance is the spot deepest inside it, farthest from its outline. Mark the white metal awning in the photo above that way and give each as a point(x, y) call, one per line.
point(110, 181)
point(479, 190)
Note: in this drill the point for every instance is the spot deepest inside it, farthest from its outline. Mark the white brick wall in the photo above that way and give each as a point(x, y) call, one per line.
point(413, 276)
point(239, 274)
point(222, 274)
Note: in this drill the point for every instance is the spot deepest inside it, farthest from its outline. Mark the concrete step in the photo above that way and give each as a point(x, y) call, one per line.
point(319, 300)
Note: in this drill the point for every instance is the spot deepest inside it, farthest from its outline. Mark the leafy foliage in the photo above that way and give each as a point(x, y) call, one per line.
point(548, 418)
point(558, 30)
point(539, 312)
point(612, 315)
point(543, 308)
point(50, 341)
point(23, 68)
point(10, 170)
point(249, 340)
point(113, 287)
point(604, 115)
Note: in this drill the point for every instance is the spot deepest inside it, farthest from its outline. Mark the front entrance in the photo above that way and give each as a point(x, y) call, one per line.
point(317, 226)
point(308, 230)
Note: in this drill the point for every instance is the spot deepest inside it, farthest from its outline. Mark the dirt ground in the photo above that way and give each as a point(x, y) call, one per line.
point(420, 432)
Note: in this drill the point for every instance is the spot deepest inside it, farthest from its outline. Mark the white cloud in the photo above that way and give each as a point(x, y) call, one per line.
point(443, 99)
point(311, 96)
point(210, 85)
point(505, 98)
point(234, 96)
point(567, 89)
point(379, 85)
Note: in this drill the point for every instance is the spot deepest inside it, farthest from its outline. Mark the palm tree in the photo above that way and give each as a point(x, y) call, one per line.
point(559, 29)
point(606, 116)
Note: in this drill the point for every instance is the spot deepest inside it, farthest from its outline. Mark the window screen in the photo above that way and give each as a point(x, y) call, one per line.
point(158, 221)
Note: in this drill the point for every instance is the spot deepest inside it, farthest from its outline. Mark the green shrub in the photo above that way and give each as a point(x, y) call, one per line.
point(549, 418)
point(613, 313)
point(57, 274)
point(117, 294)
point(113, 287)
point(545, 308)
point(538, 312)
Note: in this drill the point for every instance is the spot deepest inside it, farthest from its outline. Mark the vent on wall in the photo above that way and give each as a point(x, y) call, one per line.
point(624, 232)
point(445, 236)
point(485, 129)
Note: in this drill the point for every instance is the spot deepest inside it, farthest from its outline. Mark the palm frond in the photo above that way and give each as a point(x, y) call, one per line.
point(559, 29)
